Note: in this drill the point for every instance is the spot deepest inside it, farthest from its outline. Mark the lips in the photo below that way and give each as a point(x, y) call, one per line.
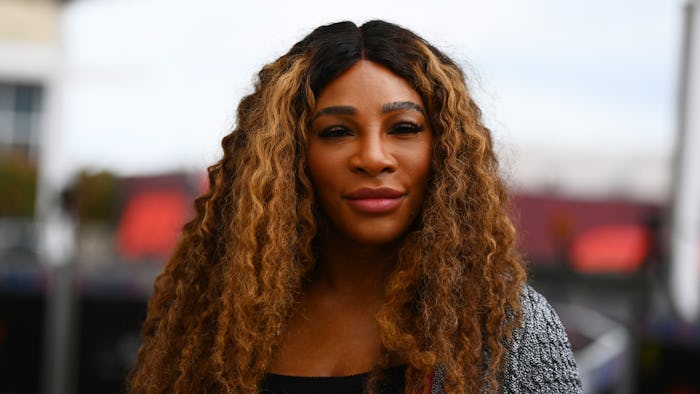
point(379, 200)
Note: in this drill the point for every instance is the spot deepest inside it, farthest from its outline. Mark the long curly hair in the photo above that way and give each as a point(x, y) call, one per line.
point(225, 295)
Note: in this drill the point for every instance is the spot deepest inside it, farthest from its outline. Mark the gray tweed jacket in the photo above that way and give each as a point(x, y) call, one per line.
point(540, 360)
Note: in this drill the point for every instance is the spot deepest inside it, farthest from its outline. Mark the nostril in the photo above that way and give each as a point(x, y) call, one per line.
point(372, 157)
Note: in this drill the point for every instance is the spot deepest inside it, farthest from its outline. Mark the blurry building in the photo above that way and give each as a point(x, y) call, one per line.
point(28, 54)
point(29, 45)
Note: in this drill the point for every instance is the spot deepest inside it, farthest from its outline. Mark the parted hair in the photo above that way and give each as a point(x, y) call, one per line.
point(225, 295)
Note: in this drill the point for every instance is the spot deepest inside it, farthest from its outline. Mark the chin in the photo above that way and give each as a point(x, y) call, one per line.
point(376, 238)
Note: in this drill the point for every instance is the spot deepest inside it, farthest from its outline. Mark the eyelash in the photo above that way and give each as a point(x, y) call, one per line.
point(334, 132)
point(406, 128)
point(402, 128)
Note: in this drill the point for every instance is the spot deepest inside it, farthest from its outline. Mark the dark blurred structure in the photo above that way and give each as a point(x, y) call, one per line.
point(603, 264)
point(593, 260)
point(27, 38)
point(605, 235)
point(127, 228)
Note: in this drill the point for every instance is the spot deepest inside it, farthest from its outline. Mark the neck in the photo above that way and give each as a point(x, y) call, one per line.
point(349, 268)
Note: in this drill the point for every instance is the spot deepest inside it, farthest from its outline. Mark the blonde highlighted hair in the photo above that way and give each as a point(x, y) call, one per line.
point(226, 293)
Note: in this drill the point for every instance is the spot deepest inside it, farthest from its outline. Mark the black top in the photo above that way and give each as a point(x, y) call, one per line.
point(394, 382)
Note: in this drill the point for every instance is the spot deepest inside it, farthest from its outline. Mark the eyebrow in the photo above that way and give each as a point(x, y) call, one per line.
point(336, 110)
point(386, 108)
point(402, 105)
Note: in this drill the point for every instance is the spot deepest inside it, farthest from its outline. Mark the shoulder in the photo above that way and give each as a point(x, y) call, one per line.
point(540, 358)
point(538, 314)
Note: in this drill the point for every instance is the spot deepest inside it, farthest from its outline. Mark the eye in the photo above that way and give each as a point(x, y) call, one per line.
point(406, 128)
point(334, 132)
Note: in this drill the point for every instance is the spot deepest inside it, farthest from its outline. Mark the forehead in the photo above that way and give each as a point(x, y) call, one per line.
point(367, 84)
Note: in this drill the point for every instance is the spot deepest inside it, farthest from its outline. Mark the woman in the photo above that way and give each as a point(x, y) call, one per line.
point(355, 238)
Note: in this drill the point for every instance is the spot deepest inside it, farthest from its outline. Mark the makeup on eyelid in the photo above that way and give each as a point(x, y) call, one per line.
point(400, 128)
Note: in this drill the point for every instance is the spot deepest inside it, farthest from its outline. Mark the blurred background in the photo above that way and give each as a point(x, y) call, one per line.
point(111, 110)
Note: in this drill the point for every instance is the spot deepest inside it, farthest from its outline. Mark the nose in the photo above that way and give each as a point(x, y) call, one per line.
point(373, 156)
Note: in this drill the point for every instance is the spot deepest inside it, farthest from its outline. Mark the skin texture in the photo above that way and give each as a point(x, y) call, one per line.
point(371, 148)
point(360, 138)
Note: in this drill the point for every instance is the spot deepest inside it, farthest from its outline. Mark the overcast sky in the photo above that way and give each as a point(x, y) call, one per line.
point(152, 85)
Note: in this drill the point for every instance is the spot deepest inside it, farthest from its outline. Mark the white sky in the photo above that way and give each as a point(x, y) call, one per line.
point(152, 85)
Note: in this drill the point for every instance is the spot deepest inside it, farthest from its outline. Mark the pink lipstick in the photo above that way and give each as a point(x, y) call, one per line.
point(369, 200)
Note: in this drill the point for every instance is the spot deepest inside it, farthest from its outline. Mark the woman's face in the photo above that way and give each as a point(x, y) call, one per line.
point(369, 154)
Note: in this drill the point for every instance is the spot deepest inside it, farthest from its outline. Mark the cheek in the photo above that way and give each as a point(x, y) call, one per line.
point(421, 165)
point(314, 164)
point(322, 171)
point(417, 169)
point(422, 170)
